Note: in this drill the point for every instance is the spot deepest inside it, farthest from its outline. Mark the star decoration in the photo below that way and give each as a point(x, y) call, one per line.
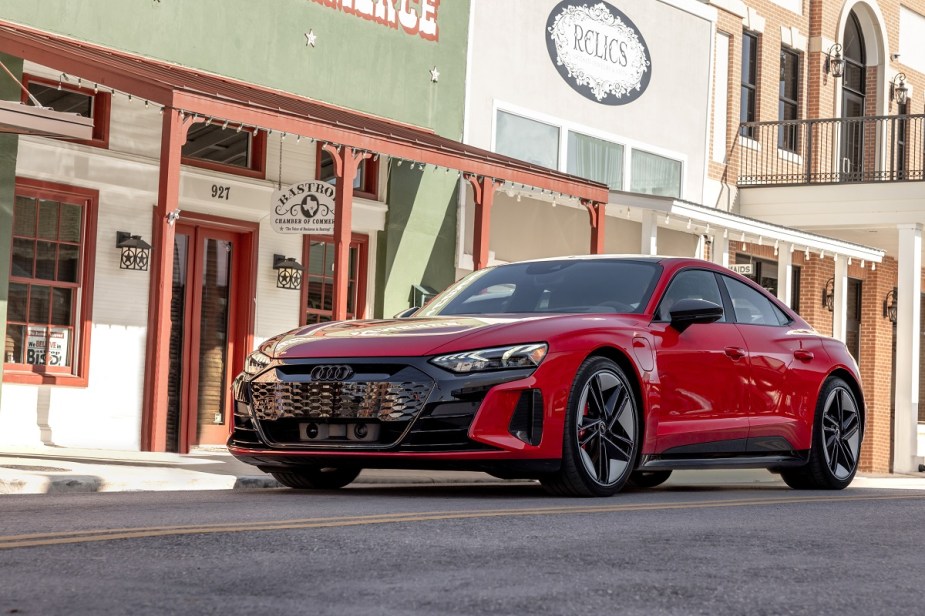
point(310, 38)
point(434, 74)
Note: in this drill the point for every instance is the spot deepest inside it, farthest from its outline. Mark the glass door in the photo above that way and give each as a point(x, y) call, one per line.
point(201, 337)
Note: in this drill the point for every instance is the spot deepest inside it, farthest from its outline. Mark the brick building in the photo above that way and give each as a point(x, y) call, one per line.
point(817, 125)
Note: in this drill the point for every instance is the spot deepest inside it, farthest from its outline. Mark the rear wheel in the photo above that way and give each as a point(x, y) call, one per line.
point(602, 433)
point(837, 431)
point(322, 478)
point(648, 479)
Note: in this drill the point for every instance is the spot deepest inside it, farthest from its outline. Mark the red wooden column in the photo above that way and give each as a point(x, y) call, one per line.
point(346, 161)
point(597, 213)
point(483, 190)
point(154, 419)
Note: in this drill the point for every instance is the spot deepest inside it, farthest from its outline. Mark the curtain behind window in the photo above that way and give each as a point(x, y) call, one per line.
point(596, 159)
point(527, 140)
point(655, 175)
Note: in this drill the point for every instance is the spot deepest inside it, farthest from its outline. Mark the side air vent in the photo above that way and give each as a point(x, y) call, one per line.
point(527, 421)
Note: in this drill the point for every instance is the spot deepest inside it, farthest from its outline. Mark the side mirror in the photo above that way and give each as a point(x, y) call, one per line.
point(407, 312)
point(687, 312)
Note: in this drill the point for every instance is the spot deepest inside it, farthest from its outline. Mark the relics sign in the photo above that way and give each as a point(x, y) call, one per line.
point(598, 51)
point(306, 207)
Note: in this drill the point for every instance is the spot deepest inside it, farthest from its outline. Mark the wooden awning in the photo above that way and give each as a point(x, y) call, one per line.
point(220, 97)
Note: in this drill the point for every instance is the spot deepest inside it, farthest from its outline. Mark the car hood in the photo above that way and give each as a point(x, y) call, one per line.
point(415, 336)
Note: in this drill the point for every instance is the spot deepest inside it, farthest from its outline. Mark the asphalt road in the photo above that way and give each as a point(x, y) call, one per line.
point(482, 549)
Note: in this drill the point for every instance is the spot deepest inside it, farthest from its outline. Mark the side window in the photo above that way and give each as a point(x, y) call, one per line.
point(689, 284)
point(751, 307)
point(51, 280)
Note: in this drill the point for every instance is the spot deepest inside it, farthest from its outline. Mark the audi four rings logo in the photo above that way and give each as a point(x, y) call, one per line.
point(331, 373)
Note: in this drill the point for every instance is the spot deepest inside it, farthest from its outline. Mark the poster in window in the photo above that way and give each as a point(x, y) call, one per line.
point(47, 346)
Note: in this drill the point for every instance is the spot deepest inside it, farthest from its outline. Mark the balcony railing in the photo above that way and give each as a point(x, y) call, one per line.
point(825, 151)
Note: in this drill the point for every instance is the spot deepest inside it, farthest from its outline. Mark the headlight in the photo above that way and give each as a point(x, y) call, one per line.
point(256, 362)
point(499, 358)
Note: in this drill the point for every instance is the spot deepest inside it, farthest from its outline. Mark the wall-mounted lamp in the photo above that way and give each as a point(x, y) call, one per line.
point(288, 272)
point(828, 295)
point(834, 63)
point(889, 306)
point(135, 251)
point(898, 90)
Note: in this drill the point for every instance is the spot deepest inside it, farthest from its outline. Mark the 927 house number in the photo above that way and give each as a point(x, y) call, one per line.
point(222, 193)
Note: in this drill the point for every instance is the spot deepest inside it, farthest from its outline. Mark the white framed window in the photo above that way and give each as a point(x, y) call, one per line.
point(529, 140)
point(621, 163)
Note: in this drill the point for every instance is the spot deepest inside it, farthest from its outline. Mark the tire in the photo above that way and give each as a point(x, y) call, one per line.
point(325, 478)
point(601, 440)
point(837, 432)
point(647, 479)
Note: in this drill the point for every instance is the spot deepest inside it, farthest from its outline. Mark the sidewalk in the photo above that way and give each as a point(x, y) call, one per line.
point(55, 470)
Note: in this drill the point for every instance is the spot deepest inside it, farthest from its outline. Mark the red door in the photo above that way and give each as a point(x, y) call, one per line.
point(208, 338)
point(703, 376)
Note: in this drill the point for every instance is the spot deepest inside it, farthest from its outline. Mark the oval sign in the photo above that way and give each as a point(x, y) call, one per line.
point(305, 207)
point(599, 52)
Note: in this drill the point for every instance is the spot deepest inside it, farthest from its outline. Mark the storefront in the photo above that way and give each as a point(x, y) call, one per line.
point(148, 259)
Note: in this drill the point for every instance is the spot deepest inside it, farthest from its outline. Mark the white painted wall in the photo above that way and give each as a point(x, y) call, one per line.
point(107, 413)
point(510, 69)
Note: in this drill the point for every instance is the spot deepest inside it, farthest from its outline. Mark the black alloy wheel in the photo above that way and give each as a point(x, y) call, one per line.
point(314, 478)
point(603, 430)
point(837, 433)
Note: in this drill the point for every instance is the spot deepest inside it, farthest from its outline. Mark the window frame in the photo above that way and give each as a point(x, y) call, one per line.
point(358, 241)
point(748, 97)
point(101, 108)
point(565, 127)
point(258, 155)
point(78, 376)
point(369, 185)
point(793, 59)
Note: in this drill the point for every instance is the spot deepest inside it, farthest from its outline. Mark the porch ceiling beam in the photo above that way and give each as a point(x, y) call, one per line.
point(389, 145)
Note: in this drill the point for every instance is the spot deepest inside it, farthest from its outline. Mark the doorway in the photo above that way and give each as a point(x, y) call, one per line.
point(209, 334)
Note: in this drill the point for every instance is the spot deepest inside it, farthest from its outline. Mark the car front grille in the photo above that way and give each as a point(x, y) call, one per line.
point(382, 400)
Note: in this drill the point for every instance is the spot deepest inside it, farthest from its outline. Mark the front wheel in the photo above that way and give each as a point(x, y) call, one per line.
point(837, 432)
point(322, 478)
point(602, 433)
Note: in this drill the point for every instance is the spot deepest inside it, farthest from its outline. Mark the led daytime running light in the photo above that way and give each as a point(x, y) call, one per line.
point(497, 358)
point(256, 362)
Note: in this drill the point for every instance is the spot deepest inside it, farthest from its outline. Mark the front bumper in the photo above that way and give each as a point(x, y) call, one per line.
point(394, 413)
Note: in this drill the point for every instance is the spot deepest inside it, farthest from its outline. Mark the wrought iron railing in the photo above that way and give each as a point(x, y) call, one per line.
point(864, 149)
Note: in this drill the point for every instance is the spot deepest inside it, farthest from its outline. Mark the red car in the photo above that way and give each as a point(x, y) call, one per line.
point(587, 373)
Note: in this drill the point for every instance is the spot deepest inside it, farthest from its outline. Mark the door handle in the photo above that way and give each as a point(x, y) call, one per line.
point(734, 352)
point(803, 355)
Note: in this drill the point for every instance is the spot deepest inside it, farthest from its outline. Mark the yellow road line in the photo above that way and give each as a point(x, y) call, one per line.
point(86, 536)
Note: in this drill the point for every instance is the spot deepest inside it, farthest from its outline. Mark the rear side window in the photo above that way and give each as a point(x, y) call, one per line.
point(751, 307)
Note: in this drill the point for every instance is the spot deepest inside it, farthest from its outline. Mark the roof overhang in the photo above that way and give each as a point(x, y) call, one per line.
point(222, 98)
point(682, 213)
point(23, 119)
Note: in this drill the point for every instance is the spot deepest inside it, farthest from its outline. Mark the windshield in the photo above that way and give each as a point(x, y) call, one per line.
point(564, 286)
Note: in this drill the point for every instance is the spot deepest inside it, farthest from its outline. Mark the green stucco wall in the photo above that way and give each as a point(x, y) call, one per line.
point(9, 90)
point(355, 63)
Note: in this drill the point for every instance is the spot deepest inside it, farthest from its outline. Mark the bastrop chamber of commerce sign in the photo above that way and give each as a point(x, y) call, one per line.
point(306, 207)
point(598, 51)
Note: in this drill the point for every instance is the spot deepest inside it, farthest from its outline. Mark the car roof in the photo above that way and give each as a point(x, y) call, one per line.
point(627, 257)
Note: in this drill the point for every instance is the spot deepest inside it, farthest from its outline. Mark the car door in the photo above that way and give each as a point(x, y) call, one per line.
point(786, 367)
point(702, 373)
